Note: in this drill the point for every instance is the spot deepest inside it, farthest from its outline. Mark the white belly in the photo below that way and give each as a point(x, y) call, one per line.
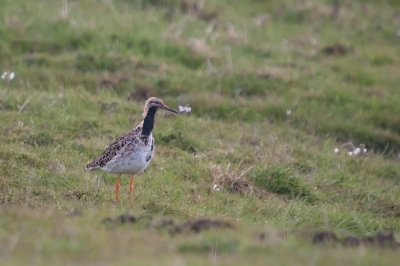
point(130, 161)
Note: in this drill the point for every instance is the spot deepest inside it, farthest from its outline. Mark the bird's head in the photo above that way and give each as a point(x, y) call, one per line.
point(156, 104)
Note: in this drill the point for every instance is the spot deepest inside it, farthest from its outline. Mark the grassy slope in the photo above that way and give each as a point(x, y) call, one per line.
point(75, 75)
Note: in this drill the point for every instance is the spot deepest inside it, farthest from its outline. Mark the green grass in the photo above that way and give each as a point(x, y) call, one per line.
point(82, 79)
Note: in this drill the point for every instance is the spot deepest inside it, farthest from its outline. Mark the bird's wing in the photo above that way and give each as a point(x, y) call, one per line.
point(128, 141)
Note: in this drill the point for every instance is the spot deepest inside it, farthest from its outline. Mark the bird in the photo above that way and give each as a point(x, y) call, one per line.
point(131, 153)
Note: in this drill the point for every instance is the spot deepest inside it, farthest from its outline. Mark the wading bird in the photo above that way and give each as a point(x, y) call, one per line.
point(131, 153)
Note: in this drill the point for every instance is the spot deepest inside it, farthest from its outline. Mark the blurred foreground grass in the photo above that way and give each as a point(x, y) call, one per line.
point(274, 88)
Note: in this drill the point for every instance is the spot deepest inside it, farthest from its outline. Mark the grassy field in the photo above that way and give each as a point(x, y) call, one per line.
point(274, 86)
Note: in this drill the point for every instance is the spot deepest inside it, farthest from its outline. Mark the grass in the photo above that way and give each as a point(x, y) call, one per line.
point(270, 103)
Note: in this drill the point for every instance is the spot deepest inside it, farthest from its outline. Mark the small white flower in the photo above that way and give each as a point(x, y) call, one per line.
point(215, 187)
point(288, 112)
point(10, 75)
point(3, 76)
point(336, 150)
point(356, 151)
point(363, 149)
point(184, 109)
point(350, 153)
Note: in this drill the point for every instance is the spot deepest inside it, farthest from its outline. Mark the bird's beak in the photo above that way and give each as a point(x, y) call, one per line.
point(169, 109)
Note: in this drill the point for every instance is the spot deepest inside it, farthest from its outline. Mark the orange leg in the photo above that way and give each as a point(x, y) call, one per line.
point(117, 188)
point(131, 187)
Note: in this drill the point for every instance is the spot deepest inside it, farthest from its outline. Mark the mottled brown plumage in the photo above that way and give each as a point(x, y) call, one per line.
point(131, 139)
point(131, 153)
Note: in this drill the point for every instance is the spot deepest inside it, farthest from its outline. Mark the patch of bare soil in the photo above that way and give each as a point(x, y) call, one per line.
point(325, 238)
point(232, 182)
point(189, 226)
point(328, 238)
point(337, 49)
point(196, 226)
point(125, 218)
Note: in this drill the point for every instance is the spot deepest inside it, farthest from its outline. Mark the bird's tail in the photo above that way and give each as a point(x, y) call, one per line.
point(93, 166)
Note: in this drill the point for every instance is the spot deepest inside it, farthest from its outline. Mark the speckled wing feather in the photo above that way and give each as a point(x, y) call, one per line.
point(130, 139)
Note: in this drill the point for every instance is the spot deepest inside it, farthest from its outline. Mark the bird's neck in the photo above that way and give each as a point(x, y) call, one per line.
point(148, 122)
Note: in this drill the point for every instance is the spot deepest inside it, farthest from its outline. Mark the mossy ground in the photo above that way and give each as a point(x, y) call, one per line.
point(274, 88)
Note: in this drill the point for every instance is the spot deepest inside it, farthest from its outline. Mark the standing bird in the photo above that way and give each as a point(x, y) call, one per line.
point(131, 153)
